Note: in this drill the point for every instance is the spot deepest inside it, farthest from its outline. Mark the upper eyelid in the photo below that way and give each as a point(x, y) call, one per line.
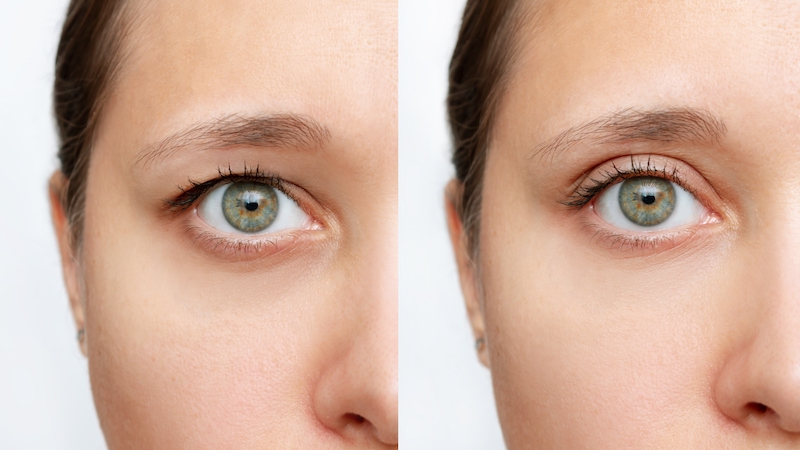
point(191, 194)
point(579, 194)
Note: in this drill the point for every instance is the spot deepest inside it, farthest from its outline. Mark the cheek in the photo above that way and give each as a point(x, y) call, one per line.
point(586, 347)
point(165, 360)
point(184, 352)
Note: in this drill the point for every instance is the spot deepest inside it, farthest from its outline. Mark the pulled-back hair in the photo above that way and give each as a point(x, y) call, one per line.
point(478, 74)
point(87, 60)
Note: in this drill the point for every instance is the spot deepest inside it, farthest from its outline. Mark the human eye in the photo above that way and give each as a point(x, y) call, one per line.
point(643, 201)
point(250, 208)
point(245, 213)
point(647, 204)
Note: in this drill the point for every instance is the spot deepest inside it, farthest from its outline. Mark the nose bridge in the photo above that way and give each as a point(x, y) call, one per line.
point(372, 353)
point(776, 348)
point(372, 290)
point(778, 260)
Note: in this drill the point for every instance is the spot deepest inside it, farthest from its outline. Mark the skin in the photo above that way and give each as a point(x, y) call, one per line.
point(693, 342)
point(194, 345)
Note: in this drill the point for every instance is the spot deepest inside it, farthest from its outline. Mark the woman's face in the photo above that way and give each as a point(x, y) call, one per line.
point(214, 318)
point(650, 314)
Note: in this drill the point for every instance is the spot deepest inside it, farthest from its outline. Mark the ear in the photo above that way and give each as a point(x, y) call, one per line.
point(69, 263)
point(466, 269)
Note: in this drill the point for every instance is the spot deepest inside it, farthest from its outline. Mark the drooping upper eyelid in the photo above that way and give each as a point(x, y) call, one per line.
point(193, 191)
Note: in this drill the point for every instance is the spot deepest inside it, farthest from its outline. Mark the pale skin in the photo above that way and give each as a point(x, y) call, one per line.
point(690, 338)
point(281, 340)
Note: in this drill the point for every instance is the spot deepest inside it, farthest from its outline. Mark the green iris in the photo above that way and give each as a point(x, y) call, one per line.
point(647, 201)
point(250, 207)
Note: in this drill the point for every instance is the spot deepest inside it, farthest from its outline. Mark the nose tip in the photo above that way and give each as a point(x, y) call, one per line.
point(358, 400)
point(760, 388)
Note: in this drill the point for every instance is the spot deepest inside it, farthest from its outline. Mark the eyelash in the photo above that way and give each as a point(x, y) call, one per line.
point(194, 190)
point(585, 193)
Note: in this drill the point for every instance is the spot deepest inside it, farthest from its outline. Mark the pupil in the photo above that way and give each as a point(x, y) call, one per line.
point(251, 206)
point(648, 199)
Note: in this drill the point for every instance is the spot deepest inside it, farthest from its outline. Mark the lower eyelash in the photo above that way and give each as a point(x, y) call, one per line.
point(240, 248)
point(636, 242)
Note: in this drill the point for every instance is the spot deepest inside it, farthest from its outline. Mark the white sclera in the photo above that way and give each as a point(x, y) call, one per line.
point(290, 215)
point(687, 210)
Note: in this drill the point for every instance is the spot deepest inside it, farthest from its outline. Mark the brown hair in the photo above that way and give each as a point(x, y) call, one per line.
point(478, 73)
point(87, 60)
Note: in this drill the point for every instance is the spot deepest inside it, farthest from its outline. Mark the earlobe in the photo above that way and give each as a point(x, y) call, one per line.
point(69, 264)
point(466, 270)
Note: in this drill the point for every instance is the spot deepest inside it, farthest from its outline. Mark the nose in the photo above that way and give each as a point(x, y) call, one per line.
point(760, 386)
point(357, 397)
point(356, 394)
point(759, 383)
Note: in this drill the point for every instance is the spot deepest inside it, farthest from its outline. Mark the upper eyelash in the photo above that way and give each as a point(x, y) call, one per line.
point(583, 194)
point(194, 190)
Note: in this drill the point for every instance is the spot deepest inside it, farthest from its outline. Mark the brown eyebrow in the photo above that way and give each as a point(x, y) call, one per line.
point(662, 125)
point(278, 130)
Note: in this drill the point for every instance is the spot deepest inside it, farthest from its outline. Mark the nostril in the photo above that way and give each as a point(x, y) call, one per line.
point(757, 408)
point(355, 418)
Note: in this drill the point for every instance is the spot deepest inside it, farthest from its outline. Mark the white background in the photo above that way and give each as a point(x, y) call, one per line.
point(45, 400)
point(445, 394)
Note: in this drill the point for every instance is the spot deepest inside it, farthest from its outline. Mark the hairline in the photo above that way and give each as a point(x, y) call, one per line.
point(113, 43)
point(517, 20)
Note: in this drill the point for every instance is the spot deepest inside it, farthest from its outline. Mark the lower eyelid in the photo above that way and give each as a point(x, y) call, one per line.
point(248, 248)
point(243, 247)
point(634, 243)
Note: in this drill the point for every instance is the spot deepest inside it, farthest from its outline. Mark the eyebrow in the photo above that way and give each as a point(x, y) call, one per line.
point(662, 125)
point(277, 130)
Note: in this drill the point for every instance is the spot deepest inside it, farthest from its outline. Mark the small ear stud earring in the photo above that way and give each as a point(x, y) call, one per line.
point(479, 343)
point(80, 335)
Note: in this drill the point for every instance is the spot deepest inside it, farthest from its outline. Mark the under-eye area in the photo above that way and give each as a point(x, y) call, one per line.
point(247, 213)
point(643, 202)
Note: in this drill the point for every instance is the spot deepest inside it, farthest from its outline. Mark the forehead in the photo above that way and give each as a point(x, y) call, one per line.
point(580, 59)
point(187, 60)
